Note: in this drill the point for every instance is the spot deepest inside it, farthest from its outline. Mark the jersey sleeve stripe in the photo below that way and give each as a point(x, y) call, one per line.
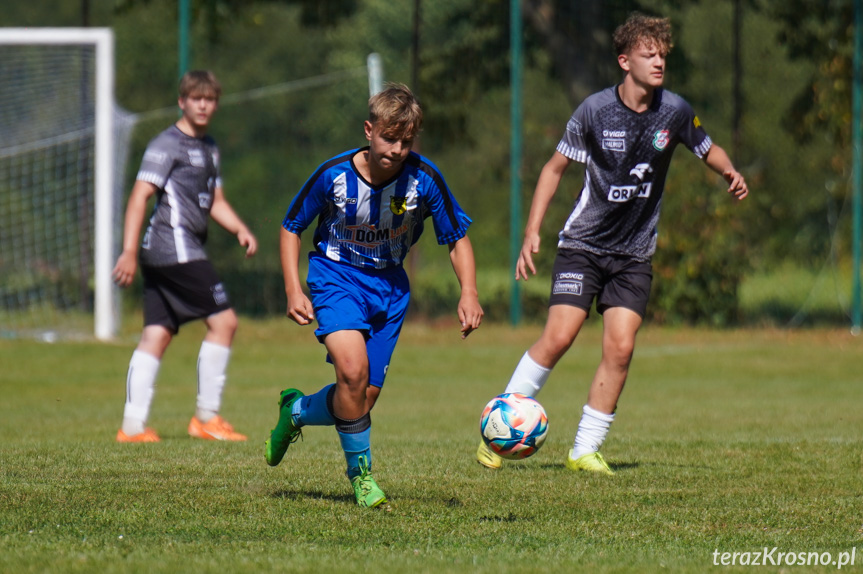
point(151, 177)
point(701, 149)
point(297, 205)
point(572, 153)
point(459, 224)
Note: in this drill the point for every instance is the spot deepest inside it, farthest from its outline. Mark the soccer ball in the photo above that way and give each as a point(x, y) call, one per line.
point(513, 425)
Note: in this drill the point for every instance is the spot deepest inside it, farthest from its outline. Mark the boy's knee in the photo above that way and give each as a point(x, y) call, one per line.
point(551, 348)
point(619, 351)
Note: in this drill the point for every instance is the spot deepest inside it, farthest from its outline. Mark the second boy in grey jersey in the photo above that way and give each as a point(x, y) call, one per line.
point(181, 170)
point(185, 169)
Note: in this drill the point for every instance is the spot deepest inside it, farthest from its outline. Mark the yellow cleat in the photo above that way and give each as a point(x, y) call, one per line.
point(487, 458)
point(591, 462)
point(367, 491)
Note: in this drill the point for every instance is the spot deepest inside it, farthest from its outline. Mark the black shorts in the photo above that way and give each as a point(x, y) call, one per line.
point(177, 294)
point(615, 281)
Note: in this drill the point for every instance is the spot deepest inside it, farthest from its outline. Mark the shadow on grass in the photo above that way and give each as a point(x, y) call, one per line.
point(313, 494)
point(615, 466)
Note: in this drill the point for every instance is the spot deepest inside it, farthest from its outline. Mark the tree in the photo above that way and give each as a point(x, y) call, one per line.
point(822, 32)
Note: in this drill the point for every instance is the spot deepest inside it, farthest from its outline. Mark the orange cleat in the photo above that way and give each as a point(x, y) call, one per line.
point(216, 428)
point(149, 435)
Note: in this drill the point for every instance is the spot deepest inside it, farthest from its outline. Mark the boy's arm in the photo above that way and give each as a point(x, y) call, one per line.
point(127, 262)
point(300, 307)
point(717, 160)
point(546, 187)
point(223, 214)
point(469, 310)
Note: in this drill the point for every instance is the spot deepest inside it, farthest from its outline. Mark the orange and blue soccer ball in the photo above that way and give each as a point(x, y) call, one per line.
point(513, 425)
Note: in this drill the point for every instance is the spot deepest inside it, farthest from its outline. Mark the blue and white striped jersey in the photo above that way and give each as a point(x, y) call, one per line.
point(627, 155)
point(373, 227)
point(186, 171)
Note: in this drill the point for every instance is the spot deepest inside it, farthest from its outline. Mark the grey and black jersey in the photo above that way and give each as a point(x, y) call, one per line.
point(186, 171)
point(627, 156)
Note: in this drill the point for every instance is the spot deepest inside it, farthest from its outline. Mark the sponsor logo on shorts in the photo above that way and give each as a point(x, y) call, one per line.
point(219, 294)
point(205, 200)
point(570, 275)
point(567, 288)
point(196, 158)
point(568, 283)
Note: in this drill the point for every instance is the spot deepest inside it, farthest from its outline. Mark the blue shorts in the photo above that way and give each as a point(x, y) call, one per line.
point(346, 298)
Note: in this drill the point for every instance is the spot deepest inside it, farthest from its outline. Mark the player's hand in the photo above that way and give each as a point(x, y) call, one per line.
point(736, 183)
point(124, 270)
point(247, 240)
point(300, 309)
point(525, 258)
point(469, 314)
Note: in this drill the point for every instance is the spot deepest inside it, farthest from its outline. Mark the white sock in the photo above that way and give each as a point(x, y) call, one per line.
point(528, 377)
point(140, 387)
point(212, 364)
point(592, 431)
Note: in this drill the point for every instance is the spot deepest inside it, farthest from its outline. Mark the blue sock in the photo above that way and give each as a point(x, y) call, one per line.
point(356, 445)
point(313, 409)
point(355, 437)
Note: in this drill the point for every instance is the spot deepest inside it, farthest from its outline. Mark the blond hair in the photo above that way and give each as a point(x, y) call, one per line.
point(640, 30)
point(396, 111)
point(200, 83)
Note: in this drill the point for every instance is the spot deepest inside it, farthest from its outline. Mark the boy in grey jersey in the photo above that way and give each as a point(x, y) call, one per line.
point(181, 169)
point(625, 135)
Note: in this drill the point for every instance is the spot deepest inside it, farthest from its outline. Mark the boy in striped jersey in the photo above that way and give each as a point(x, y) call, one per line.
point(625, 135)
point(370, 205)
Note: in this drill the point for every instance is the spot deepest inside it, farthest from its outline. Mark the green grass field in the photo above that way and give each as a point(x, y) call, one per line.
point(725, 440)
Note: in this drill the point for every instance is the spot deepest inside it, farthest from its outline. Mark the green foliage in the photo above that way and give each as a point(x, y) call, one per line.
point(822, 33)
point(795, 146)
point(700, 259)
point(701, 463)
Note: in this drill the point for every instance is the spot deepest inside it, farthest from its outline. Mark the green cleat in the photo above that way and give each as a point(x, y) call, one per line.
point(591, 462)
point(487, 458)
point(285, 432)
point(367, 491)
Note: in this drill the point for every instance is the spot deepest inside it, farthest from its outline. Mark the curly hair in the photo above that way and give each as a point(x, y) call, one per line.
point(639, 30)
point(397, 111)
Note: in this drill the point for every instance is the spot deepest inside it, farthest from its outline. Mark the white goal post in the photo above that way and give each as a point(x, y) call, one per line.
point(102, 39)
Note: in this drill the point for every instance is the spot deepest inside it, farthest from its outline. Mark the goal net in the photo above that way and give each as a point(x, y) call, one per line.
point(58, 201)
point(64, 146)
